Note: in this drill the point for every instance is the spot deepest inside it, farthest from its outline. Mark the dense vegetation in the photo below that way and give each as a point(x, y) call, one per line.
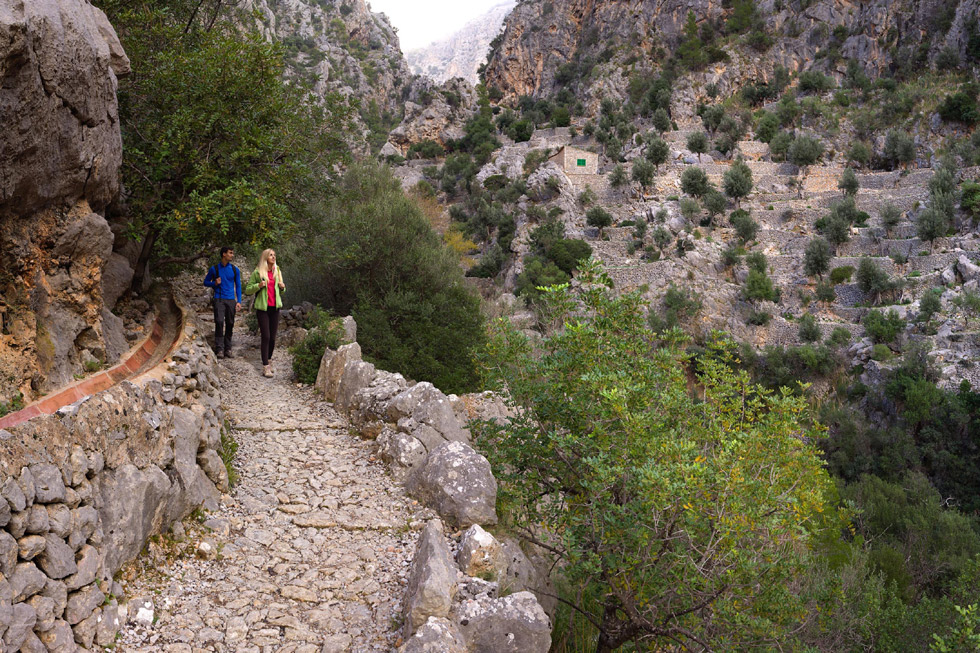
point(377, 258)
point(218, 147)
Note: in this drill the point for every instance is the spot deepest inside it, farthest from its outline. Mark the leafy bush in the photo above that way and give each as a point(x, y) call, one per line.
point(841, 274)
point(376, 258)
point(737, 181)
point(929, 305)
point(816, 257)
point(759, 287)
point(609, 445)
point(567, 253)
point(745, 227)
point(839, 337)
point(873, 280)
point(883, 327)
point(695, 182)
point(960, 107)
point(325, 332)
point(598, 217)
point(809, 330)
point(813, 81)
point(899, 148)
point(427, 149)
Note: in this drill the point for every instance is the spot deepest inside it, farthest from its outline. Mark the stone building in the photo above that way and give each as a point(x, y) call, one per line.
point(574, 161)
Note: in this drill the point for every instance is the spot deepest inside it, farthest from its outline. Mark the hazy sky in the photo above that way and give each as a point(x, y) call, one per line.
point(419, 22)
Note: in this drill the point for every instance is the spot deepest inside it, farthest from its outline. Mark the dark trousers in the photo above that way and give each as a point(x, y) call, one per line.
point(268, 326)
point(224, 323)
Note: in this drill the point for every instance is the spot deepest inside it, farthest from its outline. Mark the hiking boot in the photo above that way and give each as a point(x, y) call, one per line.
point(219, 354)
point(228, 354)
point(267, 371)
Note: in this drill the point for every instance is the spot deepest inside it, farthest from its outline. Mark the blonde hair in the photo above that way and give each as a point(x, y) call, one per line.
point(263, 267)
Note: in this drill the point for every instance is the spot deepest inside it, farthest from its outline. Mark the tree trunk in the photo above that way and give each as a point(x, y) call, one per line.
point(143, 260)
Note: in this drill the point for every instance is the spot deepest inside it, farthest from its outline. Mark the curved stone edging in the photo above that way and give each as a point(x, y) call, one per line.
point(135, 364)
point(82, 490)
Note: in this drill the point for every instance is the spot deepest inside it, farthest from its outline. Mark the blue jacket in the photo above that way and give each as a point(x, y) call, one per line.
point(231, 281)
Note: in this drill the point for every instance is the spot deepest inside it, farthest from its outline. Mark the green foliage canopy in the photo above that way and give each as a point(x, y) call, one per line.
point(685, 518)
point(218, 147)
point(378, 259)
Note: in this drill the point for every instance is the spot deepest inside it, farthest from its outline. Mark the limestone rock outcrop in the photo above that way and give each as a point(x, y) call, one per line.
point(59, 168)
point(437, 113)
point(462, 54)
point(542, 36)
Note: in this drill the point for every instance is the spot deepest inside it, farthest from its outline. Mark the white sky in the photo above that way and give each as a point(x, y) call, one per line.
point(420, 22)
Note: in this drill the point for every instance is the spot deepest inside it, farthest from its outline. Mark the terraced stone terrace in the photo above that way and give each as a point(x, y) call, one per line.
point(786, 224)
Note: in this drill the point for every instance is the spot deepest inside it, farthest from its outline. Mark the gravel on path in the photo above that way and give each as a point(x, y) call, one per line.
point(310, 552)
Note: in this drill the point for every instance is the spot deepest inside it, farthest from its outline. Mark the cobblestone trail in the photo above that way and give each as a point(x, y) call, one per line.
point(309, 553)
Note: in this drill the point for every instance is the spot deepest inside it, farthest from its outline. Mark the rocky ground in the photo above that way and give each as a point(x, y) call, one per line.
point(309, 552)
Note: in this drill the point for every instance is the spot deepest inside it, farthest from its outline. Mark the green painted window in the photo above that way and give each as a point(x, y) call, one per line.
point(581, 163)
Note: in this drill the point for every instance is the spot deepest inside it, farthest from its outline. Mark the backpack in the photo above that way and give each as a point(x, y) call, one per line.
point(212, 294)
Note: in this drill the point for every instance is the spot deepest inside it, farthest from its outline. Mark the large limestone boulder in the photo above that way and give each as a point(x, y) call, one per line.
point(332, 369)
point(432, 582)
point(437, 635)
point(456, 482)
point(59, 167)
point(425, 405)
point(512, 624)
point(480, 554)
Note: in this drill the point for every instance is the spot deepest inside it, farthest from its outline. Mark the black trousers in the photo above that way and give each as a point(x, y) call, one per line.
point(268, 327)
point(224, 323)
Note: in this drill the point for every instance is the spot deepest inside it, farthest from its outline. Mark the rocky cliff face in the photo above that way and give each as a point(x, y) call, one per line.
point(59, 162)
point(462, 54)
point(347, 48)
point(542, 35)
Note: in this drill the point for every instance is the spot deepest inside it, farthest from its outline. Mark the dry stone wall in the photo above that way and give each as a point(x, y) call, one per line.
point(82, 490)
point(453, 601)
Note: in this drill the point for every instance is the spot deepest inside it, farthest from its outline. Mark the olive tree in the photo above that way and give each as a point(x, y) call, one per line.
point(803, 153)
point(737, 182)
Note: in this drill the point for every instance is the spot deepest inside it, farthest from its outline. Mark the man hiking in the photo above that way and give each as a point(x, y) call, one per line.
point(226, 281)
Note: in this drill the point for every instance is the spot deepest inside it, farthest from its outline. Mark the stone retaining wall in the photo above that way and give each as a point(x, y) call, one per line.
point(453, 602)
point(82, 490)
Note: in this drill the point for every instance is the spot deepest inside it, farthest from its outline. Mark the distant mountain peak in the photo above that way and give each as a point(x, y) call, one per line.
point(461, 54)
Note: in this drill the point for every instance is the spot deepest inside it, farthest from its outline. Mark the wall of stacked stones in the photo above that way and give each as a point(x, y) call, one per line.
point(81, 491)
point(468, 590)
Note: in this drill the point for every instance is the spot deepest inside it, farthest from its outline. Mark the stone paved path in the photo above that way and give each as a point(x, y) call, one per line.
point(310, 552)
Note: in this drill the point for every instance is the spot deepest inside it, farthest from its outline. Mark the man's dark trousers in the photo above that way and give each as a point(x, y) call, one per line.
point(224, 324)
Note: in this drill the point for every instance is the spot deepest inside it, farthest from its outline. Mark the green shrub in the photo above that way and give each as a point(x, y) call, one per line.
point(759, 287)
point(376, 257)
point(883, 327)
point(598, 217)
point(427, 149)
point(745, 227)
point(809, 330)
point(960, 107)
point(694, 182)
point(839, 337)
point(841, 274)
point(307, 353)
point(567, 253)
point(758, 317)
point(813, 81)
point(609, 444)
point(825, 292)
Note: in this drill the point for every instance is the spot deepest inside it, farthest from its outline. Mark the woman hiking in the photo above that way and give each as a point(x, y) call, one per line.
point(266, 283)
